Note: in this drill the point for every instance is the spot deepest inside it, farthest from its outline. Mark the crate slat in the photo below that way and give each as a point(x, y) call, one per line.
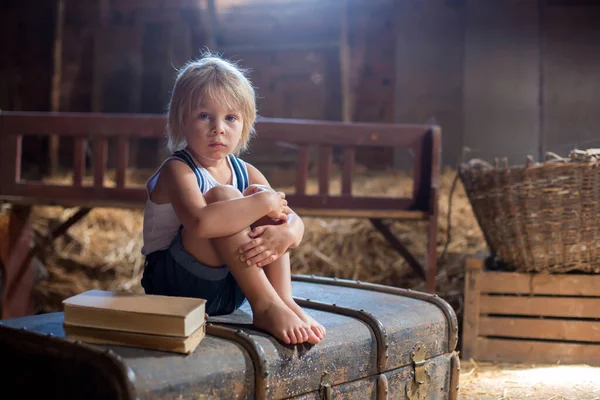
point(539, 284)
point(534, 328)
point(541, 306)
point(528, 351)
point(539, 318)
point(471, 319)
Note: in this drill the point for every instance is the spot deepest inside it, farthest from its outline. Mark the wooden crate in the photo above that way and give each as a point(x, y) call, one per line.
point(537, 318)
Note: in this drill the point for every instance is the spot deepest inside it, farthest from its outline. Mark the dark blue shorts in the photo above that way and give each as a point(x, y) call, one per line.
point(175, 272)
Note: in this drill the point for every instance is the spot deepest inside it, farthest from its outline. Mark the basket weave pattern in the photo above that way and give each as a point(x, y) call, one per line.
point(538, 218)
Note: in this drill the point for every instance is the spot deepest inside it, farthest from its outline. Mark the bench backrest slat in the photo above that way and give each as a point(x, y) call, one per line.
point(78, 161)
point(302, 169)
point(325, 161)
point(98, 129)
point(122, 161)
point(348, 170)
point(100, 160)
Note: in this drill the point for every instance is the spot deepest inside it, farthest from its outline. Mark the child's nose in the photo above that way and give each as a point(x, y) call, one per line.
point(218, 127)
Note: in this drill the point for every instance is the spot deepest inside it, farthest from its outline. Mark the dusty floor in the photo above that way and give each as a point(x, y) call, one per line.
point(488, 381)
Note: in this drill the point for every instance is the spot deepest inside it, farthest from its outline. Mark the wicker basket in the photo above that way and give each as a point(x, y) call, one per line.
point(539, 217)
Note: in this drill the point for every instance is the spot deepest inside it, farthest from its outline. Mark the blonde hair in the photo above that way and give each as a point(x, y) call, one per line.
point(216, 78)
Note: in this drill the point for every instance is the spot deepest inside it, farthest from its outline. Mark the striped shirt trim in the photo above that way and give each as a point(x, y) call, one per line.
point(240, 172)
point(187, 158)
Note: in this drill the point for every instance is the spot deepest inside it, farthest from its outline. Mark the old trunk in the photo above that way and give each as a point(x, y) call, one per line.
point(381, 343)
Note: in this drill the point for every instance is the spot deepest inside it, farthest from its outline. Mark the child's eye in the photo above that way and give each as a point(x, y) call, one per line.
point(231, 118)
point(203, 116)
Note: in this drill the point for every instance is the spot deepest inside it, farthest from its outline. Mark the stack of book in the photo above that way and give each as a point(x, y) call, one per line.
point(175, 324)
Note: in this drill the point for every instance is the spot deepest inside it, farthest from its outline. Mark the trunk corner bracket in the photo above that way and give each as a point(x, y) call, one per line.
point(417, 388)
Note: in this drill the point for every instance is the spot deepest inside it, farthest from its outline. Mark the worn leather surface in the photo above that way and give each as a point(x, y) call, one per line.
point(220, 368)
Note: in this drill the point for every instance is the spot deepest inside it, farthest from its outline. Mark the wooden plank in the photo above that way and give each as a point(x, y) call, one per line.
point(100, 158)
point(314, 205)
point(39, 193)
point(122, 160)
point(348, 170)
point(56, 80)
point(350, 203)
point(277, 47)
point(535, 328)
point(432, 232)
point(471, 312)
point(302, 170)
point(325, 159)
point(419, 151)
point(543, 306)
point(18, 149)
point(377, 214)
point(340, 133)
point(112, 201)
point(505, 282)
point(540, 284)
point(274, 129)
point(18, 279)
point(348, 95)
point(78, 161)
point(530, 351)
point(10, 161)
point(578, 285)
point(83, 124)
point(211, 23)
point(399, 247)
point(475, 262)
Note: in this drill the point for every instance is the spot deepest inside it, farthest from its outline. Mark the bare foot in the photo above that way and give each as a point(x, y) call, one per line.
point(317, 328)
point(277, 319)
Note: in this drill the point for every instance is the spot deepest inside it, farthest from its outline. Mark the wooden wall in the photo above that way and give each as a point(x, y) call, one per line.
point(502, 77)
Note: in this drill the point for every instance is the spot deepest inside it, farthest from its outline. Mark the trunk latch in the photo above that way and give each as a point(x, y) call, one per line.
point(417, 388)
point(325, 390)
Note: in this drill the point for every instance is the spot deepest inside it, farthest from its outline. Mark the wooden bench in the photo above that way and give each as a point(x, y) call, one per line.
point(95, 131)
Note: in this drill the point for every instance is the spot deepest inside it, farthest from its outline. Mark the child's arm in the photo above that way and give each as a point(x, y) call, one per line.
point(269, 242)
point(294, 225)
point(217, 219)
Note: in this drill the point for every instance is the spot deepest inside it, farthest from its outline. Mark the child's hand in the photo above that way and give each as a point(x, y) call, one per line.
point(277, 204)
point(269, 242)
point(278, 209)
point(255, 188)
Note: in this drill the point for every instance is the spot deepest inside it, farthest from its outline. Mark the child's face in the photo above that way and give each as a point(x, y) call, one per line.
point(213, 131)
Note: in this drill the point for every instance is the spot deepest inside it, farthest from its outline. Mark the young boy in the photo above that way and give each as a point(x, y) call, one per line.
point(213, 227)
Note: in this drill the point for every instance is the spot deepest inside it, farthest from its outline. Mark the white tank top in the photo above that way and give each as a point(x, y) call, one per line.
point(160, 221)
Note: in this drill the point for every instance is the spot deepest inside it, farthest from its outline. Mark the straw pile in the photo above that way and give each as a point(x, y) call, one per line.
point(504, 381)
point(103, 250)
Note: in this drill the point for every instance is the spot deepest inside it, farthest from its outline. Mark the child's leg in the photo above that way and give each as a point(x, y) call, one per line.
point(279, 274)
point(269, 311)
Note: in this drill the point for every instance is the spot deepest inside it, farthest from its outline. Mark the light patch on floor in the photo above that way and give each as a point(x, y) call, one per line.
point(489, 381)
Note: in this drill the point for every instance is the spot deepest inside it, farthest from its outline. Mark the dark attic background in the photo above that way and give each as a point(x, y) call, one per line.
point(501, 77)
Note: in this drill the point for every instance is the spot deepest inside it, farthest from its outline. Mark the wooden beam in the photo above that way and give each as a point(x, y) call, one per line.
point(56, 81)
point(212, 26)
point(399, 247)
point(100, 30)
point(274, 47)
point(345, 66)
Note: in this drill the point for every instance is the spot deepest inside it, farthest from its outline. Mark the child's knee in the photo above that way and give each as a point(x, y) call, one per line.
point(254, 188)
point(220, 193)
